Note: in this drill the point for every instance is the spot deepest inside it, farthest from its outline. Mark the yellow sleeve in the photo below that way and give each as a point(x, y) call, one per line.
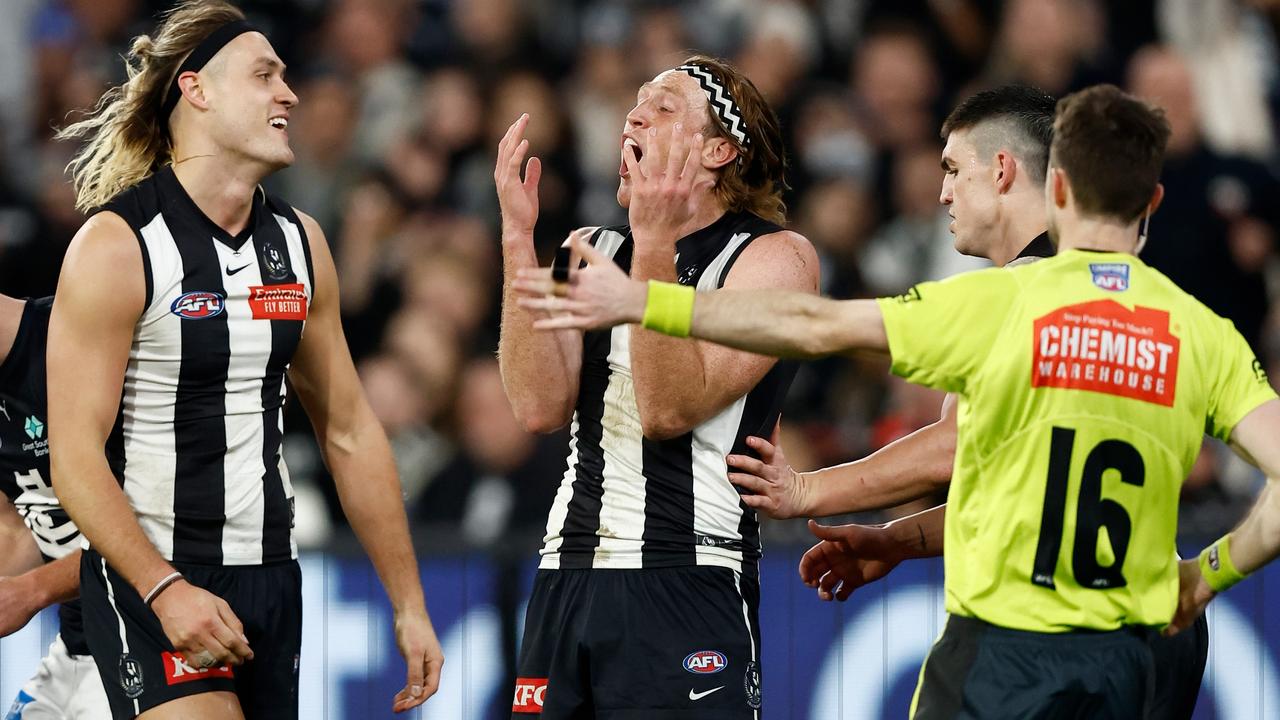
point(1240, 385)
point(939, 332)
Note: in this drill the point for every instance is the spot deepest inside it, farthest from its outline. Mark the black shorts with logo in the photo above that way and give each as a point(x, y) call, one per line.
point(136, 660)
point(977, 671)
point(663, 643)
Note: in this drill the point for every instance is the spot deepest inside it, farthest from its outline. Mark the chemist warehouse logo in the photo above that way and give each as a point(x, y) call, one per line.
point(1104, 347)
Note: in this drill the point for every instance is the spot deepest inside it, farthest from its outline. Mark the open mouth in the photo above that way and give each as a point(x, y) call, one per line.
point(279, 123)
point(629, 145)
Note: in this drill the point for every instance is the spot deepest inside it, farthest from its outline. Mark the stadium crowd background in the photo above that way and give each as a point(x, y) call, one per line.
point(403, 103)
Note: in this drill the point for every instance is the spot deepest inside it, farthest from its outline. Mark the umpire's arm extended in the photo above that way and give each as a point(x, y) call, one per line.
point(769, 322)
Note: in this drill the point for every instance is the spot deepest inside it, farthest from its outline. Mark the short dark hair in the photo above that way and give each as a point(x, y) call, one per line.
point(1028, 112)
point(1111, 146)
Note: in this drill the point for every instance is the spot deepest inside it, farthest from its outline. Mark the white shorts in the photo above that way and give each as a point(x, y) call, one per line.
point(65, 687)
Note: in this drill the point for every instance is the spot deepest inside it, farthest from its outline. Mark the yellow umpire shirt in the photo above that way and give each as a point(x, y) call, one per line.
point(1086, 383)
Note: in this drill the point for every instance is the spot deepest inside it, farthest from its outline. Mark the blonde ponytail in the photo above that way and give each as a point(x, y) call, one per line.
point(124, 138)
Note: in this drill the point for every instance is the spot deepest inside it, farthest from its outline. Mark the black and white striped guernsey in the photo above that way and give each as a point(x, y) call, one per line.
point(197, 444)
point(630, 502)
point(24, 455)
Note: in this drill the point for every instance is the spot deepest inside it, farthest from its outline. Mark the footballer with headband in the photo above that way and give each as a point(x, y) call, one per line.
point(647, 594)
point(180, 310)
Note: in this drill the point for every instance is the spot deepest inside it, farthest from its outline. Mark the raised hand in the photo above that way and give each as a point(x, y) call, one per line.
point(597, 296)
point(423, 657)
point(517, 198)
point(1193, 595)
point(848, 557)
point(661, 196)
point(776, 489)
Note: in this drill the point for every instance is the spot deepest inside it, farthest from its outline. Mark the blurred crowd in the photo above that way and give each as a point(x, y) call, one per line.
point(403, 103)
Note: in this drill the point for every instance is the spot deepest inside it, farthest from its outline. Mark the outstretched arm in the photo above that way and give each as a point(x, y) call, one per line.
point(781, 323)
point(908, 469)
point(850, 556)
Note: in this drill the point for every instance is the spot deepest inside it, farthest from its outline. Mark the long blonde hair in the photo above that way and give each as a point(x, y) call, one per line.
point(124, 138)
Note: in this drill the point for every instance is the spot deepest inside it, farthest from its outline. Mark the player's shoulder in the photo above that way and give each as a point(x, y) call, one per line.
point(783, 254)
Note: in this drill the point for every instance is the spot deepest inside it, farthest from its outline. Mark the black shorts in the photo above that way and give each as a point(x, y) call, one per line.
point(977, 670)
point(662, 643)
point(136, 660)
point(1180, 664)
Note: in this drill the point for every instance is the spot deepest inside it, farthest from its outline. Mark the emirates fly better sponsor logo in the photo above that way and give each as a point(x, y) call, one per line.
point(278, 302)
point(1105, 347)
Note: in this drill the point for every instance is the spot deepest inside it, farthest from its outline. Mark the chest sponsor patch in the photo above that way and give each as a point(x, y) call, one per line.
point(278, 302)
point(1104, 347)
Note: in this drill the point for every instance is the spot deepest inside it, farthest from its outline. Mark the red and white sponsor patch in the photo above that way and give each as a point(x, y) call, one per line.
point(278, 302)
point(530, 694)
point(178, 670)
point(1105, 347)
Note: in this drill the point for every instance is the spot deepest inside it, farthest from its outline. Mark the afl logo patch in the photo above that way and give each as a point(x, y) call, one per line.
point(705, 662)
point(1110, 276)
point(198, 305)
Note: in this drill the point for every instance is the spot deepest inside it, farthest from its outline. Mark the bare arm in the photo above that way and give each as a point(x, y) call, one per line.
point(850, 556)
point(908, 469)
point(712, 376)
point(23, 596)
point(357, 453)
point(539, 370)
point(99, 299)
point(21, 553)
point(781, 323)
point(1256, 541)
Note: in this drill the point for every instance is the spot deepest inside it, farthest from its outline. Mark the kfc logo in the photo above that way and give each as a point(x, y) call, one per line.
point(530, 695)
point(177, 670)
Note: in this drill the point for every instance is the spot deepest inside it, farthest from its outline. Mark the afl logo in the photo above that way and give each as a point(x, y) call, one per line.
point(198, 305)
point(705, 662)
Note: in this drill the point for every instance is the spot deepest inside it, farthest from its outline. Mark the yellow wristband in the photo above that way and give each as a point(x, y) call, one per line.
point(1216, 566)
point(669, 308)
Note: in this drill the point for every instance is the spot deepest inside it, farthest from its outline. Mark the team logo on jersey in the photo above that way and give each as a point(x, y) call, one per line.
point(198, 305)
point(130, 677)
point(531, 694)
point(177, 670)
point(1110, 276)
point(705, 662)
point(278, 302)
point(1102, 346)
point(277, 266)
point(34, 428)
point(751, 684)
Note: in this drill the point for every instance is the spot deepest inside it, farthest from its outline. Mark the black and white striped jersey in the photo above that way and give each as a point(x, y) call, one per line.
point(197, 444)
point(24, 454)
point(630, 502)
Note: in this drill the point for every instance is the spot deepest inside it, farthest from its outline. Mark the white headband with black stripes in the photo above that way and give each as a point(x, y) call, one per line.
point(721, 101)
